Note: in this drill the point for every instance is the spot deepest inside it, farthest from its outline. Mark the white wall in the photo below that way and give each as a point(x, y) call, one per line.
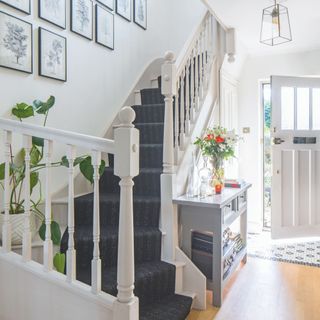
point(99, 80)
point(250, 114)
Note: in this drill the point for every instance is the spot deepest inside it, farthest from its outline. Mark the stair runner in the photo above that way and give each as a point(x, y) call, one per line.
point(154, 279)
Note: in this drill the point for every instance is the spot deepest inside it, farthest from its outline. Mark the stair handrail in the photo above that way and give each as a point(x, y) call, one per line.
point(125, 148)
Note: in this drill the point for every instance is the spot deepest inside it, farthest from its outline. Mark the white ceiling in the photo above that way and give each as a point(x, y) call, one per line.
point(245, 16)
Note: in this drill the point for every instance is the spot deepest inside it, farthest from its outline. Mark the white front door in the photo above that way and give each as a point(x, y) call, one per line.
point(295, 157)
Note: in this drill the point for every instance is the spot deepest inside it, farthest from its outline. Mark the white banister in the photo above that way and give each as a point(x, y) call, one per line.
point(71, 252)
point(26, 242)
point(176, 121)
point(192, 91)
point(197, 76)
point(187, 121)
point(6, 229)
point(96, 261)
point(126, 166)
point(47, 248)
point(182, 111)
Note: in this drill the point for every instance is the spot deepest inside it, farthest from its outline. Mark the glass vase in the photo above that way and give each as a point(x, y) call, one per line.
point(193, 179)
point(205, 179)
point(217, 174)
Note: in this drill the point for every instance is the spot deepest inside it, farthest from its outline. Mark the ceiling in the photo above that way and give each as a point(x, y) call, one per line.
point(245, 16)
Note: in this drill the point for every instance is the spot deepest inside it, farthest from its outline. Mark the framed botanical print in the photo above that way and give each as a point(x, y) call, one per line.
point(21, 5)
point(104, 27)
point(82, 18)
point(53, 11)
point(140, 13)
point(52, 55)
point(108, 3)
point(123, 9)
point(16, 43)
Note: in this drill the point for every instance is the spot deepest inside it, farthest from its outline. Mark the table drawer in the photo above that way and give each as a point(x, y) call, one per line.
point(242, 201)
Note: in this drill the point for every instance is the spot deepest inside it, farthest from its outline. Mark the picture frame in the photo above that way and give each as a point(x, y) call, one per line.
point(81, 18)
point(53, 11)
point(104, 27)
point(21, 5)
point(140, 13)
point(16, 45)
point(123, 9)
point(52, 55)
point(107, 3)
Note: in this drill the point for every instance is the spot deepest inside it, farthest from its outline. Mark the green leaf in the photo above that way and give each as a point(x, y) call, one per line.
point(86, 168)
point(55, 232)
point(43, 107)
point(22, 111)
point(35, 155)
point(18, 160)
point(59, 262)
point(64, 161)
point(102, 167)
point(38, 141)
point(2, 170)
point(34, 179)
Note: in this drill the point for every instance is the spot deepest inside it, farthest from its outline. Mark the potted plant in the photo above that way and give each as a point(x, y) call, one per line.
point(217, 145)
point(17, 176)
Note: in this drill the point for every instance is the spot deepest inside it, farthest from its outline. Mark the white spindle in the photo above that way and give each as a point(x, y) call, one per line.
point(205, 55)
point(197, 76)
point(201, 67)
point(127, 167)
point(176, 121)
point(182, 111)
point(6, 228)
point(192, 91)
point(187, 121)
point(96, 261)
point(47, 248)
point(26, 248)
point(71, 253)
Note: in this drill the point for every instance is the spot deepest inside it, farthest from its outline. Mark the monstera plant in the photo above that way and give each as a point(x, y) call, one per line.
point(18, 168)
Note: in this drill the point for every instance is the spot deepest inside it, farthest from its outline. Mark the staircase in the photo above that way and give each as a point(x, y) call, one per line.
point(154, 279)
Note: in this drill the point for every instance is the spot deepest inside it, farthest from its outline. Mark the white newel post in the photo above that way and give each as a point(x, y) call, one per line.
point(168, 212)
point(96, 261)
point(47, 247)
point(26, 243)
point(6, 229)
point(126, 166)
point(71, 253)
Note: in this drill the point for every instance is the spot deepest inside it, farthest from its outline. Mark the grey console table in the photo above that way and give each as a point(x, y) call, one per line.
point(214, 214)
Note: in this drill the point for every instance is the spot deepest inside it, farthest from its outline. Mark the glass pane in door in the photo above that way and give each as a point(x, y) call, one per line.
point(303, 109)
point(316, 109)
point(287, 108)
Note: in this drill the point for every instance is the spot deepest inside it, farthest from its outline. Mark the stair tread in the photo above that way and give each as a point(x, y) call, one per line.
point(175, 306)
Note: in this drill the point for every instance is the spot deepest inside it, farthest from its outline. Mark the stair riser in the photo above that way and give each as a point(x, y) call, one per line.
point(151, 156)
point(150, 114)
point(110, 183)
point(151, 96)
point(147, 248)
point(150, 133)
point(146, 214)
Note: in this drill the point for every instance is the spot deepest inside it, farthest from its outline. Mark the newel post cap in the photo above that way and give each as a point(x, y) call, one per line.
point(169, 57)
point(126, 117)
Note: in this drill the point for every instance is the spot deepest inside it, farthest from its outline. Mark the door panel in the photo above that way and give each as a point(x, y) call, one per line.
point(295, 157)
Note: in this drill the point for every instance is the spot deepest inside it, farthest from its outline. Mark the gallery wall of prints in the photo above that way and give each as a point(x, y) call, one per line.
point(91, 20)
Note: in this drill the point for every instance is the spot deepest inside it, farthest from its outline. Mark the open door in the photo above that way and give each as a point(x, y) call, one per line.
point(295, 157)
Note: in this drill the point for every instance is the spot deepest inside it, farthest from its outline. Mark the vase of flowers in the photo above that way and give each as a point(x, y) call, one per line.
point(218, 145)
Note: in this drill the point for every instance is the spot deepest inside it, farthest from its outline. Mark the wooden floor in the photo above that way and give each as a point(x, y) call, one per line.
point(268, 290)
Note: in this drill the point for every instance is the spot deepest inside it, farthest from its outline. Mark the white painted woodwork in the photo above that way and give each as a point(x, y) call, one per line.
point(296, 167)
point(192, 92)
point(197, 102)
point(71, 252)
point(48, 246)
point(96, 261)
point(187, 79)
point(6, 229)
point(126, 167)
point(26, 248)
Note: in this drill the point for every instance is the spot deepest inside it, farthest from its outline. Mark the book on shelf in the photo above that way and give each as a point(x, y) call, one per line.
point(234, 183)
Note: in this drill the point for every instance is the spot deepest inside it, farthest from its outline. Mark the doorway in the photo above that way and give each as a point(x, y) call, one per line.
point(267, 161)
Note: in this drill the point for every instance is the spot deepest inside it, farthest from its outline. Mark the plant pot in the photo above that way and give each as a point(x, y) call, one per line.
point(17, 227)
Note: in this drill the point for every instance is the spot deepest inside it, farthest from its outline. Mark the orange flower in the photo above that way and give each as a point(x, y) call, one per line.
point(219, 139)
point(209, 137)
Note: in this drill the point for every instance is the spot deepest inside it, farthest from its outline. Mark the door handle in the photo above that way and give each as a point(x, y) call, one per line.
point(278, 141)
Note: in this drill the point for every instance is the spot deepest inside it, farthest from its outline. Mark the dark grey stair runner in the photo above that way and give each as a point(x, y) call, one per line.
point(154, 279)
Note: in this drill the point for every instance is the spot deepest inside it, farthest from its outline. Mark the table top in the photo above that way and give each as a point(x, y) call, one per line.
point(214, 201)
